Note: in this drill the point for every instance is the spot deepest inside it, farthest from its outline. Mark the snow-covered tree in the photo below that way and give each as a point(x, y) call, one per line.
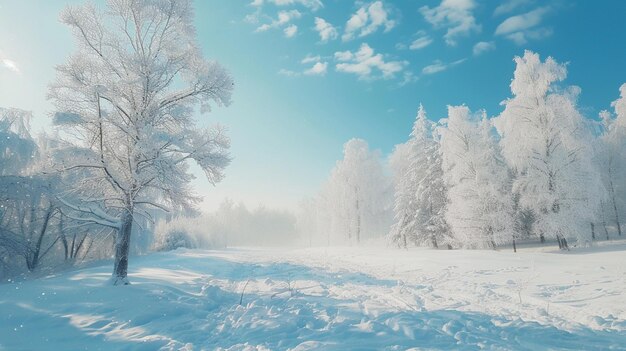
point(17, 146)
point(546, 141)
point(612, 160)
point(480, 208)
point(27, 203)
point(356, 197)
point(125, 102)
point(420, 194)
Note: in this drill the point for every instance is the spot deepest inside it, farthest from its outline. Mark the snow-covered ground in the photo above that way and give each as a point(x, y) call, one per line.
point(329, 299)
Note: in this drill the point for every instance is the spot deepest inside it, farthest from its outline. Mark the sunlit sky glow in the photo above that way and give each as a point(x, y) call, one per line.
point(311, 74)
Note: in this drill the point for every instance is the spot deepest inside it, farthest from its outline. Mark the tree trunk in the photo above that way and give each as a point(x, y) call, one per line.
point(122, 248)
point(593, 231)
point(514, 247)
point(404, 240)
point(63, 237)
point(562, 242)
point(358, 224)
point(492, 241)
point(358, 216)
point(617, 223)
point(34, 261)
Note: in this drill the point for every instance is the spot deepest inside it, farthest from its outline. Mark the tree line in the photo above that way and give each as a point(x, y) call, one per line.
point(539, 170)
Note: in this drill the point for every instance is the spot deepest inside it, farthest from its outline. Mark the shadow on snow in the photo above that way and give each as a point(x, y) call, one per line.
point(190, 298)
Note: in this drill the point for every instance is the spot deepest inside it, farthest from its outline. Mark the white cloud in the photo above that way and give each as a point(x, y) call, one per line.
point(482, 47)
point(521, 22)
point(314, 5)
point(439, 66)
point(521, 38)
point(318, 69)
point(252, 18)
point(344, 55)
point(263, 28)
point(367, 20)
point(435, 67)
point(325, 30)
point(520, 28)
point(364, 61)
point(456, 15)
point(288, 73)
point(421, 42)
point(407, 78)
point(291, 31)
point(284, 17)
point(510, 6)
point(309, 59)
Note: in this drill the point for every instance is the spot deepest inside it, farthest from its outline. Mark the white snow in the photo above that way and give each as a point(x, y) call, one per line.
point(341, 298)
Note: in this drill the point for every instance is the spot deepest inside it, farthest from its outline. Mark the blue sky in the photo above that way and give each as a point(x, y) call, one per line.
point(311, 74)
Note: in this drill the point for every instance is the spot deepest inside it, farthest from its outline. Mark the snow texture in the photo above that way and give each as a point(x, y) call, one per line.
point(306, 299)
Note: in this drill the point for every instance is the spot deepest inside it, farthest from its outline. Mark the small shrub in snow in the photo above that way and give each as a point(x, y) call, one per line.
point(191, 233)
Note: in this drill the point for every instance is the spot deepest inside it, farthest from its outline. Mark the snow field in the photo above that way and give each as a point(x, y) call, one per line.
point(327, 298)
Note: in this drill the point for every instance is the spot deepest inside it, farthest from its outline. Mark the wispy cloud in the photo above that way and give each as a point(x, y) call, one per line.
point(364, 62)
point(455, 15)
point(435, 67)
point(288, 73)
point(314, 5)
point(440, 66)
point(423, 41)
point(325, 30)
point(522, 27)
point(510, 6)
point(291, 31)
point(482, 47)
point(309, 58)
point(408, 78)
point(367, 20)
point(284, 17)
point(318, 69)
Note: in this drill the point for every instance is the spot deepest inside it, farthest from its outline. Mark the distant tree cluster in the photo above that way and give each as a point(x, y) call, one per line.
point(230, 225)
point(355, 202)
point(539, 170)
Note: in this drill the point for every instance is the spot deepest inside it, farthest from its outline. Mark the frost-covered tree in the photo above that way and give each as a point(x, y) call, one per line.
point(546, 141)
point(125, 102)
point(27, 203)
point(612, 159)
point(356, 197)
point(420, 194)
point(480, 208)
point(17, 146)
